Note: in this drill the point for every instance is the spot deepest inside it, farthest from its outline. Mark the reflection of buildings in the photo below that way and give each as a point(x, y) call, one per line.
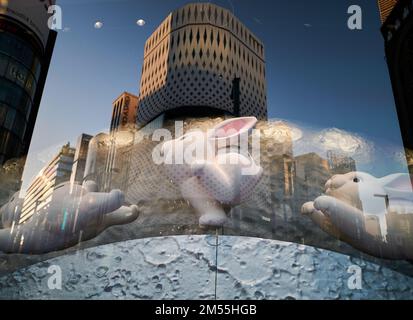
point(273, 195)
point(277, 156)
point(108, 160)
point(25, 54)
point(124, 112)
point(10, 178)
point(312, 172)
point(116, 171)
point(114, 174)
point(79, 162)
point(40, 192)
point(399, 228)
point(191, 61)
point(397, 31)
point(372, 226)
point(96, 158)
point(340, 164)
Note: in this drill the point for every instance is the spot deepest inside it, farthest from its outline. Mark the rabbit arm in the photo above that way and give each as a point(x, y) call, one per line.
point(346, 223)
point(320, 219)
point(349, 220)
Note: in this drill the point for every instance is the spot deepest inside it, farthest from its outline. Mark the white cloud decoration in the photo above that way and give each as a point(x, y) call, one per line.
point(345, 143)
point(282, 130)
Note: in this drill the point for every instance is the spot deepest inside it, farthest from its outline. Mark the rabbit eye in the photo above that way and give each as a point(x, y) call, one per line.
point(356, 180)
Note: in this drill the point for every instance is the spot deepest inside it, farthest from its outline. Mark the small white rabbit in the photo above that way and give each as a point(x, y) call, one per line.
point(370, 192)
point(210, 170)
point(351, 199)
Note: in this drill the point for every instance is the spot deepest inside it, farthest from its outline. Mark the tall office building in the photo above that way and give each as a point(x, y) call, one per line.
point(340, 164)
point(40, 192)
point(385, 8)
point(79, 162)
point(399, 228)
point(200, 61)
point(372, 226)
point(115, 171)
point(124, 112)
point(26, 46)
point(312, 172)
point(397, 31)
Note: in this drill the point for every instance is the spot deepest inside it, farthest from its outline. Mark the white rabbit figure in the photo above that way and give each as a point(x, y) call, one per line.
point(211, 171)
point(373, 195)
point(351, 199)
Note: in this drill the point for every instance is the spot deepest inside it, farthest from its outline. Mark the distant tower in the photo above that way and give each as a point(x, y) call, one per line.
point(79, 162)
point(124, 112)
point(115, 171)
point(192, 61)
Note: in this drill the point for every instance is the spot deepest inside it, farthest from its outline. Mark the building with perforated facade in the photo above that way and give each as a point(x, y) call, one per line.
point(193, 59)
point(385, 8)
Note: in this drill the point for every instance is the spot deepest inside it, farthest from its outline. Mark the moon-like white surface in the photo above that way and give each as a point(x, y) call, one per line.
point(184, 267)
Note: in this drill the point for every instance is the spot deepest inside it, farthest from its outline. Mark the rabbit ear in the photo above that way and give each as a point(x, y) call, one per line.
point(398, 184)
point(233, 127)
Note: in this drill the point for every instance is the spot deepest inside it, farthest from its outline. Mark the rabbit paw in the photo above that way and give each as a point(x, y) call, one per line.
point(214, 219)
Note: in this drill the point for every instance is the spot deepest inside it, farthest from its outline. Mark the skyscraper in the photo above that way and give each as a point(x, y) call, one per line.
point(193, 61)
point(397, 31)
point(124, 112)
point(40, 192)
point(26, 46)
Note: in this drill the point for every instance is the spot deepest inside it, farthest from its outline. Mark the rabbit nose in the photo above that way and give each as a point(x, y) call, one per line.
point(328, 184)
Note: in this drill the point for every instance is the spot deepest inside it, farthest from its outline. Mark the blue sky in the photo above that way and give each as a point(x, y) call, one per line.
point(319, 72)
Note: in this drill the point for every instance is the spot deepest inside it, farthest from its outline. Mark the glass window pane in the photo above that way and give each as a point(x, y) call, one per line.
point(11, 114)
point(3, 64)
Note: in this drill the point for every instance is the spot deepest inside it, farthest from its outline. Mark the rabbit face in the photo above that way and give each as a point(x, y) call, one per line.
point(198, 145)
point(369, 193)
point(347, 187)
